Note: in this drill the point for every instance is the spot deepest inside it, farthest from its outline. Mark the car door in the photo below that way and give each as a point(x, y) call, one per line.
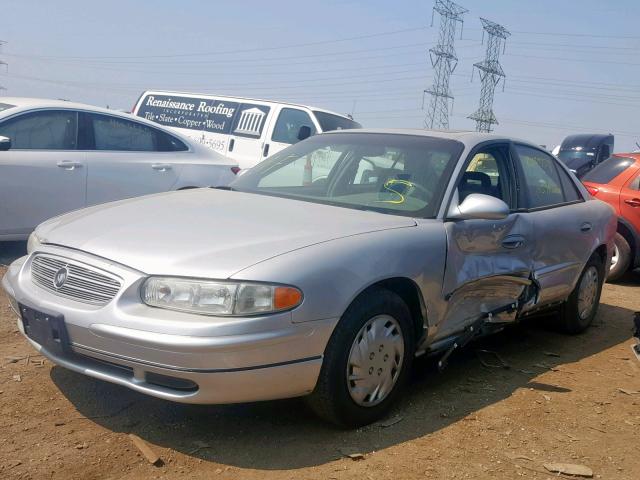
point(126, 158)
point(561, 222)
point(286, 129)
point(630, 201)
point(248, 134)
point(488, 261)
point(43, 174)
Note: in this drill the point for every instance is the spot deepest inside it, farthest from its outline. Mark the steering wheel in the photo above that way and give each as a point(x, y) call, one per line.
point(411, 190)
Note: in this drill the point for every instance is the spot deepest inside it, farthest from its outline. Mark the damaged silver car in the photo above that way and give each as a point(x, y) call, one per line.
point(321, 272)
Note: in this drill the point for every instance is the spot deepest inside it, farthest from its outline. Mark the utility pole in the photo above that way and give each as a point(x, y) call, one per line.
point(444, 62)
point(490, 74)
point(2, 42)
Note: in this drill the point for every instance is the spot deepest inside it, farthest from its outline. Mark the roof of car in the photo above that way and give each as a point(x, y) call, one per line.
point(584, 140)
point(251, 99)
point(30, 102)
point(466, 137)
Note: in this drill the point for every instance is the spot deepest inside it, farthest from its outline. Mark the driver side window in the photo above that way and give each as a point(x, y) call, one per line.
point(487, 174)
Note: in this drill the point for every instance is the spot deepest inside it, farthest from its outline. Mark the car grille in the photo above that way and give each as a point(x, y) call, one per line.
point(83, 283)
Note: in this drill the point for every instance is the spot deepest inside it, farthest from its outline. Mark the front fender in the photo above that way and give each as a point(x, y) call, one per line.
point(332, 274)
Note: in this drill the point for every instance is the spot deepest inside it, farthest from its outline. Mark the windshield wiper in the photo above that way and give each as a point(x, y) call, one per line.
point(225, 187)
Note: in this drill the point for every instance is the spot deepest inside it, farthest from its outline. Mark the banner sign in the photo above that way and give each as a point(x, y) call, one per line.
point(205, 115)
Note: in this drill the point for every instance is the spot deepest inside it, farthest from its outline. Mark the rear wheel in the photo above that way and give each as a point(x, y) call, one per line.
point(582, 305)
point(621, 260)
point(366, 361)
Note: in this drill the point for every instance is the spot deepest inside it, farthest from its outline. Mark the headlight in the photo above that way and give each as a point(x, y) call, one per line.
point(208, 297)
point(33, 243)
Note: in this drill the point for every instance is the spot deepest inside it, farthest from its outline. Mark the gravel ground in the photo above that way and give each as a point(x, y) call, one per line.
point(564, 399)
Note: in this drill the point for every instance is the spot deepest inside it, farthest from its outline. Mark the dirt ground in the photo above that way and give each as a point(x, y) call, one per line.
point(564, 399)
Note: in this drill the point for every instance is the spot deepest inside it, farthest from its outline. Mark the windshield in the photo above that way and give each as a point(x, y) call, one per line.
point(575, 157)
point(329, 122)
point(396, 174)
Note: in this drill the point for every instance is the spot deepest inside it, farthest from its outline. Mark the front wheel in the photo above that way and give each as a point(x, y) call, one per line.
point(366, 361)
point(621, 260)
point(581, 307)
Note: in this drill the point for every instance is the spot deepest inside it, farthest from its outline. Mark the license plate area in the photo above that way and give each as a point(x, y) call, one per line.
point(45, 329)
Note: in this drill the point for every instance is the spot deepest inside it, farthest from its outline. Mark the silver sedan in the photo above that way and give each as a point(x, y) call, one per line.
point(322, 272)
point(58, 156)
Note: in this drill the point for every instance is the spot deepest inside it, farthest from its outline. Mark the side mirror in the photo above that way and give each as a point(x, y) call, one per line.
point(479, 207)
point(304, 132)
point(5, 144)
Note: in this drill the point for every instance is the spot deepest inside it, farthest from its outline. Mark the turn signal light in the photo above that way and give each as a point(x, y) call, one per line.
point(592, 190)
point(286, 297)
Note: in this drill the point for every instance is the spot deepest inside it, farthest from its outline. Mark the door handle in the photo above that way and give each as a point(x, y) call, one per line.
point(634, 202)
point(513, 241)
point(232, 143)
point(161, 167)
point(265, 150)
point(68, 165)
point(586, 227)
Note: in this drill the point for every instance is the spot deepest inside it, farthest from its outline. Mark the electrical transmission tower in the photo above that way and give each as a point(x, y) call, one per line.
point(490, 74)
point(2, 42)
point(444, 61)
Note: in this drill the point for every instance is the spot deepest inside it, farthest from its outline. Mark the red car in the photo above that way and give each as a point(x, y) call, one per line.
point(617, 182)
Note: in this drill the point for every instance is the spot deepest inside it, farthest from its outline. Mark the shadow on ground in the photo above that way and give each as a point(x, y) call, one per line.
point(286, 435)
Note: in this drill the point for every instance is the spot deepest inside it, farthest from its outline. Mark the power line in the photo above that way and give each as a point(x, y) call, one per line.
point(586, 60)
point(243, 50)
point(252, 61)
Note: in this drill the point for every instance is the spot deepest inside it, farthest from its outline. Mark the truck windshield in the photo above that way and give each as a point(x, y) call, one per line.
point(575, 158)
point(396, 174)
point(329, 122)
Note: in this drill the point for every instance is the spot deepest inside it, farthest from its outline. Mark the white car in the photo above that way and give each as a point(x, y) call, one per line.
point(57, 156)
point(244, 129)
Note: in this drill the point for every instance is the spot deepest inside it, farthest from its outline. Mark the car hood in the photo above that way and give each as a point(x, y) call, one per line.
point(206, 232)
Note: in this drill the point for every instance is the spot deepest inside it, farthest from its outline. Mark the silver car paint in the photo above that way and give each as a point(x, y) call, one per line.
point(92, 177)
point(331, 253)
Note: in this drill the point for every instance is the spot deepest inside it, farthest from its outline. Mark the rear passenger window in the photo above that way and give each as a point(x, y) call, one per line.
point(569, 188)
point(43, 130)
point(541, 177)
point(119, 134)
point(288, 125)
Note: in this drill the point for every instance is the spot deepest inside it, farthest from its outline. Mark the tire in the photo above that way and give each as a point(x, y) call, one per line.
point(333, 398)
point(574, 318)
point(623, 262)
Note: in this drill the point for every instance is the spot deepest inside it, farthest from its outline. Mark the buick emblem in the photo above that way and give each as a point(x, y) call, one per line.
point(60, 277)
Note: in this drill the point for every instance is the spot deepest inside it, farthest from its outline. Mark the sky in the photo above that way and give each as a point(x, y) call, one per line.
point(572, 66)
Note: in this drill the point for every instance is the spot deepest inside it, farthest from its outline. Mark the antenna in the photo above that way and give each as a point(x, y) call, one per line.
point(490, 74)
point(444, 62)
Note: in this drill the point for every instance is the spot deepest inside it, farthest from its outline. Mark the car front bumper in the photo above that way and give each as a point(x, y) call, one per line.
point(173, 355)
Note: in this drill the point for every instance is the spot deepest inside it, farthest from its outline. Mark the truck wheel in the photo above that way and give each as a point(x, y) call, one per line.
point(581, 307)
point(621, 260)
point(366, 361)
